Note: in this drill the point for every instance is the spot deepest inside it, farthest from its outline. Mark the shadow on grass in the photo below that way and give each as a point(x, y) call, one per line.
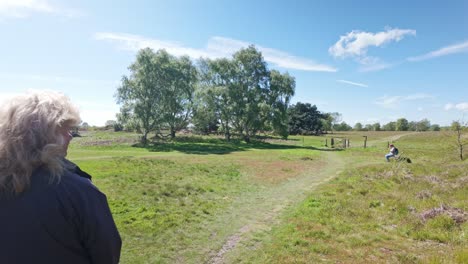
point(206, 146)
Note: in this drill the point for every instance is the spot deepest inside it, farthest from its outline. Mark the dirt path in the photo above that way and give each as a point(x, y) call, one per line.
point(257, 214)
point(391, 138)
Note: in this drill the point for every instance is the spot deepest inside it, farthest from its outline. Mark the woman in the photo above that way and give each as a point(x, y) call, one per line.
point(50, 212)
point(392, 153)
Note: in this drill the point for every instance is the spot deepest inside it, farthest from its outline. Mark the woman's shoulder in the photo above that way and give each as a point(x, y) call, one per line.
point(75, 182)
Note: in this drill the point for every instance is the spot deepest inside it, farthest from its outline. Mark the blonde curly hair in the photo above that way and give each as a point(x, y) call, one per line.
point(30, 137)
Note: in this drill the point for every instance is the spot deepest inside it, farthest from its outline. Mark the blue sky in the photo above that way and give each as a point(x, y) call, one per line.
point(368, 60)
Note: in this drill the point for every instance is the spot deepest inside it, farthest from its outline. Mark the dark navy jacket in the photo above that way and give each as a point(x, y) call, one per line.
point(65, 222)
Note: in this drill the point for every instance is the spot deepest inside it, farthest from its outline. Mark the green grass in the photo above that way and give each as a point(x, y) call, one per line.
point(180, 201)
point(372, 213)
point(160, 205)
point(168, 198)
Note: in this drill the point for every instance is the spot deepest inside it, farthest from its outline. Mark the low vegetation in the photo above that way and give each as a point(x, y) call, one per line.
point(205, 200)
point(381, 213)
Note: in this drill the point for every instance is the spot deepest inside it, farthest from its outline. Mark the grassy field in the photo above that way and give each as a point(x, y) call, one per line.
point(204, 200)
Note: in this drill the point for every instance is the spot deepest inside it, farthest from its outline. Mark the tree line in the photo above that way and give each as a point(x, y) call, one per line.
point(233, 96)
point(401, 124)
point(237, 95)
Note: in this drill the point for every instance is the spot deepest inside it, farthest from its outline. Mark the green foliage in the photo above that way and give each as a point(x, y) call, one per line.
point(390, 126)
point(343, 127)
point(282, 89)
point(244, 94)
point(305, 118)
point(402, 124)
point(358, 127)
point(158, 92)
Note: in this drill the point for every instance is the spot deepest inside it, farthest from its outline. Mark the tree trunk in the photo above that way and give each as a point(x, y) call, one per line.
point(144, 138)
point(247, 138)
point(227, 134)
point(459, 141)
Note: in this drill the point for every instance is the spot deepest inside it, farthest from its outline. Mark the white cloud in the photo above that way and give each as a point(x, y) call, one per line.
point(369, 63)
point(388, 101)
point(393, 101)
point(356, 43)
point(460, 106)
point(453, 49)
point(418, 96)
point(24, 8)
point(353, 83)
point(217, 47)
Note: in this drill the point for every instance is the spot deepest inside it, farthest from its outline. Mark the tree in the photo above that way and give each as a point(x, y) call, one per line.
point(455, 125)
point(158, 92)
point(413, 126)
point(282, 88)
point(459, 128)
point(128, 120)
point(246, 96)
point(249, 89)
point(141, 93)
point(358, 127)
point(335, 119)
point(305, 119)
point(205, 117)
point(423, 125)
point(435, 127)
point(326, 123)
point(376, 126)
point(110, 124)
point(178, 92)
point(402, 124)
point(213, 92)
point(390, 126)
point(343, 127)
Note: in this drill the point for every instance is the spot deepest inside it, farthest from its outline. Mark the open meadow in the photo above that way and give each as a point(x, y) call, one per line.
point(204, 200)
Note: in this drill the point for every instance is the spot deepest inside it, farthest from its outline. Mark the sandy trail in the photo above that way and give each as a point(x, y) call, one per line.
point(261, 211)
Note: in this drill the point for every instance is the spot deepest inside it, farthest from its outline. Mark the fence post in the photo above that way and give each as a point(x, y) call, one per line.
point(365, 141)
point(332, 142)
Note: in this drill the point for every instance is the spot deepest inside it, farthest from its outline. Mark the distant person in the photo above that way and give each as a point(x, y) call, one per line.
point(50, 212)
point(393, 152)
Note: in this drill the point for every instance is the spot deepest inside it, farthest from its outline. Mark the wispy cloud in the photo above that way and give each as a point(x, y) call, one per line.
point(394, 101)
point(24, 8)
point(356, 43)
point(460, 106)
point(452, 49)
point(217, 47)
point(353, 83)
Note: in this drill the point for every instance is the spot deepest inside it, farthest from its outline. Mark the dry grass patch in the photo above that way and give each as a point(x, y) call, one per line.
point(276, 170)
